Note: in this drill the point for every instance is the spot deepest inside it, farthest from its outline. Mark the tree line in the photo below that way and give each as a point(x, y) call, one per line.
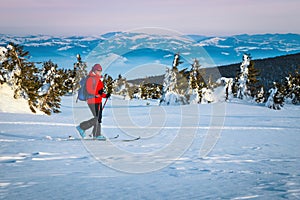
point(196, 85)
point(44, 86)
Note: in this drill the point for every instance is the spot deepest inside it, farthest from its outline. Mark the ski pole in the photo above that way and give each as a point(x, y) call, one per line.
point(98, 125)
point(104, 103)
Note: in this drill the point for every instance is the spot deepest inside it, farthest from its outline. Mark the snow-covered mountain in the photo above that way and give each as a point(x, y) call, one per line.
point(121, 52)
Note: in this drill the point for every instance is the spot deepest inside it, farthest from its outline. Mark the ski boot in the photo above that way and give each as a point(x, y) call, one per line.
point(100, 137)
point(81, 132)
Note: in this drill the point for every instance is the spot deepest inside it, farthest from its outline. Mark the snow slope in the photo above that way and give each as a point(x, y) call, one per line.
point(256, 155)
point(9, 104)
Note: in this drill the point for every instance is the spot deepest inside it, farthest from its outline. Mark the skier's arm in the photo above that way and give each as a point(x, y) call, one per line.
point(103, 95)
point(107, 95)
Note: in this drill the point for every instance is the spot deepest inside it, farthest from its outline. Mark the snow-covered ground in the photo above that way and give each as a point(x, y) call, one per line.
point(252, 152)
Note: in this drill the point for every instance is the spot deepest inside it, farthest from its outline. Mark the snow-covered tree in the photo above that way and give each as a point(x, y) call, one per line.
point(292, 88)
point(108, 82)
point(207, 95)
point(275, 100)
point(121, 87)
point(67, 80)
point(173, 90)
point(79, 72)
point(3, 71)
point(20, 74)
point(247, 83)
point(169, 95)
point(52, 88)
point(42, 88)
point(260, 96)
point(194, 85)
point(225, 84)
point(176, 61)
point(243, 77)
point(140, 92)
point(150, 91)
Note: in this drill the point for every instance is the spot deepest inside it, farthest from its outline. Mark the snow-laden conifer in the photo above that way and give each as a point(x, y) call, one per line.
point(80, 71)
point(275, 99)
point(170, 93)
point(193, 91)
point(247, 83)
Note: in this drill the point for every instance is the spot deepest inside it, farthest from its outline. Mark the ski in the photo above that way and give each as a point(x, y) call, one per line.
point(109, 138)
point(115, 138)
point(130, 140)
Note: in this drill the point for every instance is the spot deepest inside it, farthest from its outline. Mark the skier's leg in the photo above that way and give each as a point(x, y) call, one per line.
point(97, 124)
point(91, 122)
point(99, 120)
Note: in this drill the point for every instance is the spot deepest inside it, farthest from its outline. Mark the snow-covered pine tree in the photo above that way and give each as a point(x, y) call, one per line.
point(3, 71)
point(176, 61)
point(169, 95)
point(121, 87)
point(52, 89)
point(143, 91)
point(79, 72)
point(151, 91)
point(132, 89)
point(41, 88)
point(253, 82)
point(275, 100)
point(207, 95)
point(292, 88)
point(157, 92)
point(171, 85)
point(194, 81)
point(21, 74)
point(243, 77)
point(235, 85)
point(207, 92)
point(260, 96)
point(181, 84)
point(139, 91)
point(108, 82)
point(226, 87)
point(67, 80)
point(247, 83)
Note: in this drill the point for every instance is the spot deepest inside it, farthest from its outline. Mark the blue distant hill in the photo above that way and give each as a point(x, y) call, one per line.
point(119, 52)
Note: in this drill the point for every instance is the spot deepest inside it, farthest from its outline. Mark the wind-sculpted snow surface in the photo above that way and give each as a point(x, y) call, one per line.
point(256, 155)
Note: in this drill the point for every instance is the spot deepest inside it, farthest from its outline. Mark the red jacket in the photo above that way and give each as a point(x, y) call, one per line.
point(93, 85)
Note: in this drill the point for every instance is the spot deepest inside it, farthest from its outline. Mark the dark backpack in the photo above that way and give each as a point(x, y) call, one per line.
point(83, 95)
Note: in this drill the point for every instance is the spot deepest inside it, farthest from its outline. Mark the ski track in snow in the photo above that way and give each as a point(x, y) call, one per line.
point(256, 157)
point(158, 127)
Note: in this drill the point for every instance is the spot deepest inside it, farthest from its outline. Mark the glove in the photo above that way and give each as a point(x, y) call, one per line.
point(100, 92)
point(108, 95)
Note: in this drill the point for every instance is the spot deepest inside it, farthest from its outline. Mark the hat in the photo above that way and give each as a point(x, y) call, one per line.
point(97, 67)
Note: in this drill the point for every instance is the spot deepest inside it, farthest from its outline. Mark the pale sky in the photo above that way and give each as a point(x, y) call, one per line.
point(94, 17)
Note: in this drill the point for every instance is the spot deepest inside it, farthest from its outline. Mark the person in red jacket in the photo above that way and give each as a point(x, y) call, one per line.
point(94, 87)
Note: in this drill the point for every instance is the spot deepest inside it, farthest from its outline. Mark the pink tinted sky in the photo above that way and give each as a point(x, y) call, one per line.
point(205, 17)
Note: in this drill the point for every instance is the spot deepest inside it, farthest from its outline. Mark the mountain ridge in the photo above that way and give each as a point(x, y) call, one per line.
point(120, 52)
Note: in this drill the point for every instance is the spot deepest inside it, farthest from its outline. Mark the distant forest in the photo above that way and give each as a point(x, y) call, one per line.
point(271, 70)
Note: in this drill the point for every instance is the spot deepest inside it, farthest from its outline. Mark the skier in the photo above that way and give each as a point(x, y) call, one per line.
point(94, 87)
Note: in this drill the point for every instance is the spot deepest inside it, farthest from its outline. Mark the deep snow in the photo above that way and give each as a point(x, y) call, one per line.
point(255, 157)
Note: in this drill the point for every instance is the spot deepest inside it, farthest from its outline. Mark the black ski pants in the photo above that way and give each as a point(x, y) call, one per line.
point(94, 122)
